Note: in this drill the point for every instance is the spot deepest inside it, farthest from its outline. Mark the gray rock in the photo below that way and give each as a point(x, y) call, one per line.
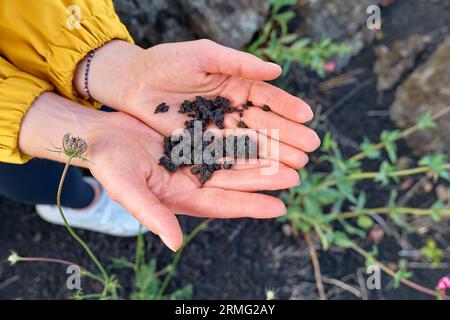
point(232, 23)
point(344, 21)
point(426, 89)
point(392, 63)
point(153, 21)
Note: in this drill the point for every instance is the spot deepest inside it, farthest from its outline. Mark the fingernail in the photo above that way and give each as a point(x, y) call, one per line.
point(274, 64)
point(167, 242)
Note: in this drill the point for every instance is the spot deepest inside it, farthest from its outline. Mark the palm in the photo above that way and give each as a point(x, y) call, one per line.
point(181, 71)
point(131, 175)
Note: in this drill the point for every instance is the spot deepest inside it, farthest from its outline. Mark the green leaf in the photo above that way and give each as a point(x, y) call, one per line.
point(324, 238)
point(384, 171)
point(328, 142)
point(432, 252)
point(360, 204)
point(398, 219)
point(311, 207)
point(402, 273)
point(352, 230)
point(284, 17)
point(426, 122)
point(369, 149)
point(364, 222)
point(289, 38)
point(436, 164)
point(328, 196)
point(388, 139)
point(301, 43)
point(340, 239)
point(121, 263)
point(436, 211)
point(346, 188)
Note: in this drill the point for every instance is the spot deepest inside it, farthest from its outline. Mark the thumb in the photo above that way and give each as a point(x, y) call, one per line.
point(223, 60)
point(146, 208)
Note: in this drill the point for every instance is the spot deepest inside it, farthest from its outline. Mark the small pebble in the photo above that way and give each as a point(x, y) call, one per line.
point(163, 107)
point(266, 108)
point(241, 124)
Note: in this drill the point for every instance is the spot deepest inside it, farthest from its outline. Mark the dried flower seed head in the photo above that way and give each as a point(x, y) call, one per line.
point(74, 147)
point(13, 258)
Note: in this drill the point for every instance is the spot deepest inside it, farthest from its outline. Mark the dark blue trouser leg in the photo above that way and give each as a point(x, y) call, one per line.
point(36, 182)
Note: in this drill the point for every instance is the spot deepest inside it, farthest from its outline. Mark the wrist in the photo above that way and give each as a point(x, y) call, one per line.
point(108, 73)
point(38, 139)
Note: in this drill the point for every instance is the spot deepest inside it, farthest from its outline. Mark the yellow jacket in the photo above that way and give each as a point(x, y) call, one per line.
point(41, 43)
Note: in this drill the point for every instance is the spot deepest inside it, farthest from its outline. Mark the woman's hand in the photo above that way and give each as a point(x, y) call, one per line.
point(135, 81)
point(123, 155)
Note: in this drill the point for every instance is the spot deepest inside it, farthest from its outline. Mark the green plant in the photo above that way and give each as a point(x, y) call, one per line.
point(147, 280)
point(330, 204)
point(432, 252)
point(275, 43)
point(75, 147)
point(148, 283)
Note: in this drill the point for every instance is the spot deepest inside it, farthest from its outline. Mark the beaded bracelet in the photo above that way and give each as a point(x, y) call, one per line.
point(86, 74)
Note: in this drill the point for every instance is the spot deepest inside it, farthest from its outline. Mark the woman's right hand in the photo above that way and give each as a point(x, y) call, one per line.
point(135, 81)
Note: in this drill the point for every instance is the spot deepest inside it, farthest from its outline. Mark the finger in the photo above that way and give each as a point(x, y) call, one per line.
point(143, 205)
point(268, 148)
point(266, 178)
point(220, 203)
point(223, 60)
point(281, 129)
point(280, 102)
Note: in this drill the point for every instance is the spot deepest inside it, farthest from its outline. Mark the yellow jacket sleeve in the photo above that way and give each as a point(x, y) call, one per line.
point(18, 90)
point(47, 38)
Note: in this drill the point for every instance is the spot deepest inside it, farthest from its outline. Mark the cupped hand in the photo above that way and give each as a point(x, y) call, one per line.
point(124, 153)
point(176, 72)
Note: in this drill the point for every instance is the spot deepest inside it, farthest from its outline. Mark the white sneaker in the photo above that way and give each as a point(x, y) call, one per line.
point(105, 216)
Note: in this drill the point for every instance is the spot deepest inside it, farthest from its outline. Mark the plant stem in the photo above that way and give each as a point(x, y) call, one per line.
point(139, 260)
point(372, 175)
point(403, 134)
point(172, 267)
point(69, 228)
point(387, 210)
point(316, 267)
point(84, 271)
point(392, 273)
point(89, 296)
point(50, 260)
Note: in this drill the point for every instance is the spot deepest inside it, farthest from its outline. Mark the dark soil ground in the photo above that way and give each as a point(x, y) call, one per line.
point(240, 259)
